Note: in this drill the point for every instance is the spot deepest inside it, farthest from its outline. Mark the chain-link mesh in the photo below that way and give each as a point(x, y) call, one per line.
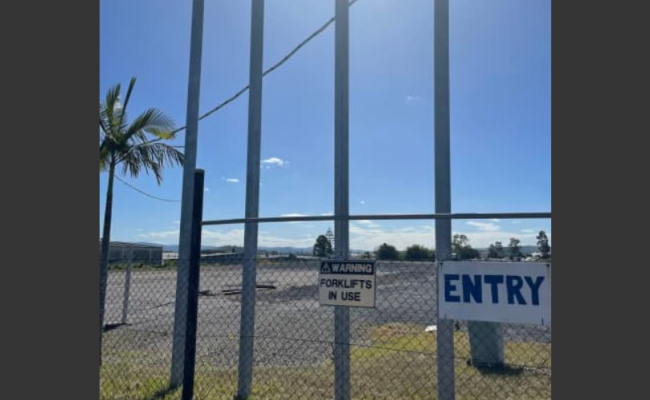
point(392, 346)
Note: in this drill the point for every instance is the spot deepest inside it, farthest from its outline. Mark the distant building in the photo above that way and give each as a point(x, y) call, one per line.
point(148, 254)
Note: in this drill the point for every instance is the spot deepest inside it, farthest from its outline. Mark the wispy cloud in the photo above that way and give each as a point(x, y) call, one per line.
point(206, 189)
point(411, 98)
point(528, 230)
point(274, 162)
point(362, 202)
point(368, 238)
point(232, 180)
point(363, 236)
point(232, 237)
point(484, 226)
point(177, 222)
point(367, 223)
point(516, 222)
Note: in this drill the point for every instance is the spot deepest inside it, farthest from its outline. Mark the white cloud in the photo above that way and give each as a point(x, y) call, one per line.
point(232, 180)
point(516, 222)
point(177, 222)
point(362, 237)
point(484, 226)
point(166, 237)
point(274, 162)
point(362, 202)
point(206, 189)
point(368, 223)
point(413, 98)
point(231, 237)
point(528, 230)
point(368, 238)
point(327, 214)
point(495, 220)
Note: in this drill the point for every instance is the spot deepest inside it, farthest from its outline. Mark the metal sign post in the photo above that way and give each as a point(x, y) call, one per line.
point(189, 165)
point(249, 278)
point(341, 193)
point(445, 332)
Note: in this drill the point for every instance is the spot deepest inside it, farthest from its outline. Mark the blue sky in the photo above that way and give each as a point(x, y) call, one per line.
point(500, 55)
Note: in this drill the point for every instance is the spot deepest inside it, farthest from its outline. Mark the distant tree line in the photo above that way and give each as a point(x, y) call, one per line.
point(460, 247)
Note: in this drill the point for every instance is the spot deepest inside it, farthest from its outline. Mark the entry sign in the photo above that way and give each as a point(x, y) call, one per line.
point(347, 283)
point(508, 292)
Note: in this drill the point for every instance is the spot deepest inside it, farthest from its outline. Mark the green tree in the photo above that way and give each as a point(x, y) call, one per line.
point(495, 250)
point(542, 244)
point(460, 245)
point(498, 247)
point(330, 236)
point(134, 147)
point(515, 249)
point(417, 252)
point(386, 252)
point(492, 253)
point(322, 247)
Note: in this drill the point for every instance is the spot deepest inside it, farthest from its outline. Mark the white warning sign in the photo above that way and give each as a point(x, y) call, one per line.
point(347, 283)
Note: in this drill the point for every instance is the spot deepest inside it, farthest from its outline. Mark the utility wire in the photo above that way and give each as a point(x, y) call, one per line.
point(145, 193)
point(271, 69)
point(242, 91)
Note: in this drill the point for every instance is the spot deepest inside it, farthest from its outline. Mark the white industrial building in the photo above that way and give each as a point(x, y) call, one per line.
point(149, 254)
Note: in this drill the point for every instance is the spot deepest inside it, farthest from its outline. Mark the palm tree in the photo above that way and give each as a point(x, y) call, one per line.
point(135, 148)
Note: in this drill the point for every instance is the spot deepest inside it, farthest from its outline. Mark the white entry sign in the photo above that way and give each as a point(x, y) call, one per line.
point(508, 292)
point(347, 283)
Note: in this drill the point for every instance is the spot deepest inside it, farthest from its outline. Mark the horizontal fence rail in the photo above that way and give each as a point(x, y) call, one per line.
point(308, 218)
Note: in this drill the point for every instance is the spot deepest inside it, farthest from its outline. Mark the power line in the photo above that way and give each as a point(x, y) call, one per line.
point(240, 92)
point(145, 193)
point(271, 69)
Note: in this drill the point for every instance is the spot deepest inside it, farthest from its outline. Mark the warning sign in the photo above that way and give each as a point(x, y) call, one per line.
point(347, 283)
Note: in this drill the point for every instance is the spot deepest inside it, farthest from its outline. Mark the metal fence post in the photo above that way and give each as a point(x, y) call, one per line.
point(189, 165)
point(127, 285)
point(445, 331)
point(249, 275)
point(193, 288)
point(341, 193)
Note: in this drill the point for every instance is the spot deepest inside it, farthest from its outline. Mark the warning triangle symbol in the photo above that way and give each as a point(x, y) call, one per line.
point(325, 268)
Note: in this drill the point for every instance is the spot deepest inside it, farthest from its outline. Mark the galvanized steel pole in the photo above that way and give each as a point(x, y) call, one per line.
point(341, 193)
point(445, 331)
point(189, 165)
point(127, 285)
point(247, 323)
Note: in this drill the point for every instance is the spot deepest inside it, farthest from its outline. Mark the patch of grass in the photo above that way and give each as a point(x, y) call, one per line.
point(398, 362)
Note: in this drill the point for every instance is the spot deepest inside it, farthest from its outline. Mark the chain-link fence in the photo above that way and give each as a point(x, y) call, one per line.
point(392, 346)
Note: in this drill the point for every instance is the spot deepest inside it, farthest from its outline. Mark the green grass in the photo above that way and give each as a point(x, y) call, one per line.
point(398, 363)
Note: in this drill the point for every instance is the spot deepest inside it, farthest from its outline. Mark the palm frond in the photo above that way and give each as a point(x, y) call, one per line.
point(152, 121)
point(152, 159)
point(104, 156)
point(126, 102)
point(112, 97)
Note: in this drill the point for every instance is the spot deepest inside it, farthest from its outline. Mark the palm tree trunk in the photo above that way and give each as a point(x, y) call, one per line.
point(103, 257)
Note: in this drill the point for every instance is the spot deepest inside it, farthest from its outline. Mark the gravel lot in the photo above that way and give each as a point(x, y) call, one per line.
point(291, 327)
